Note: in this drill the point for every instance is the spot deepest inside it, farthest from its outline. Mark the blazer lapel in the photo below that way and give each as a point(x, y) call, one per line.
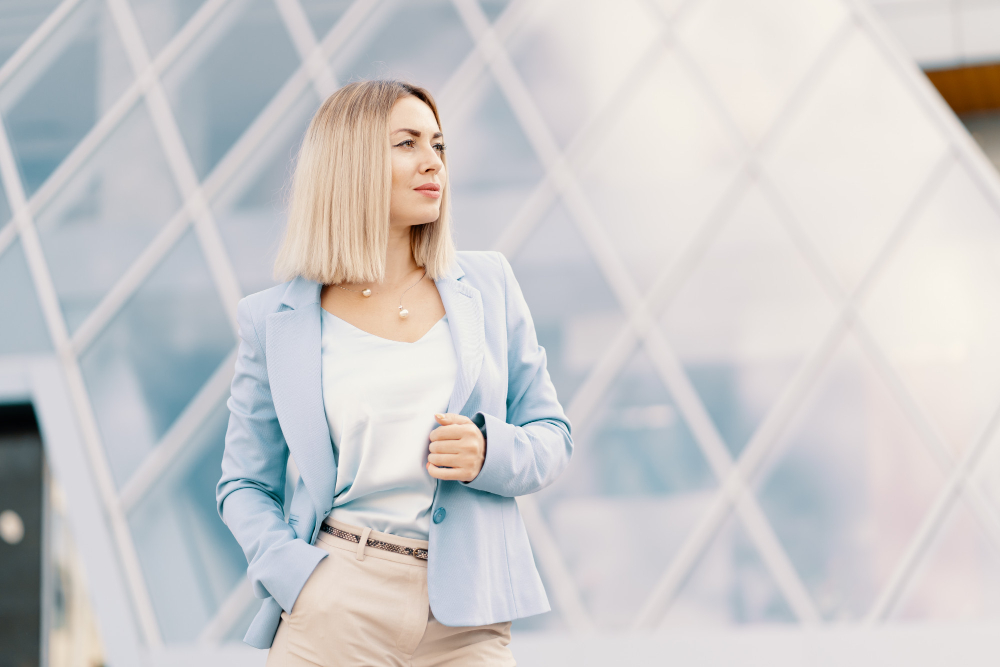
point(293, 368)
point(464, 305)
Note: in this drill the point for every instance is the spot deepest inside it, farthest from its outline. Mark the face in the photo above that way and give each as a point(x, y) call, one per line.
point(418, 171)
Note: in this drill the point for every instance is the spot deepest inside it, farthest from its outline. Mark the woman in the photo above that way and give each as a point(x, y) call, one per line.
point(406, 382)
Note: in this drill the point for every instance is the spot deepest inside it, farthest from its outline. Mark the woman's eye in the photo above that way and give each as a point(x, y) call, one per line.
point(439, 148)
point(408, 142)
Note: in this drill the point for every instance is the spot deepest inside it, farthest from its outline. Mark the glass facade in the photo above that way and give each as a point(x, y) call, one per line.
point(758, 249)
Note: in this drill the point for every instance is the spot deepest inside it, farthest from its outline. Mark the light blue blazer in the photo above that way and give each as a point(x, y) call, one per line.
point(480, 568)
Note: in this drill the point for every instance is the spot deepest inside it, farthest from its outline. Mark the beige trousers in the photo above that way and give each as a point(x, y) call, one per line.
point(368, 607)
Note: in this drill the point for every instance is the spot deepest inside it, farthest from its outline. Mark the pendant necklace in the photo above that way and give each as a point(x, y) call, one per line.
point(403, 312)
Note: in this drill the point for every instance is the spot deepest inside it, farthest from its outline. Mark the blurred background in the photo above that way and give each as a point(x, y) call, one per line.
point(761, 245)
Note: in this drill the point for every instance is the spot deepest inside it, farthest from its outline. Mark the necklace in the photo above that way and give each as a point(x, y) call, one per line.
point(403, 312)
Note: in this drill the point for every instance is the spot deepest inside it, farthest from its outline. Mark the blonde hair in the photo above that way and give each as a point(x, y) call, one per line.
point(338, 213)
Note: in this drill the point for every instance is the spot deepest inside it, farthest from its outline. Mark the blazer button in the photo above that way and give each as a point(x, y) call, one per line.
point(439, 515)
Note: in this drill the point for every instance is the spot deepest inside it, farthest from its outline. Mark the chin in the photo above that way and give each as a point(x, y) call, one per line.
point(427, 216)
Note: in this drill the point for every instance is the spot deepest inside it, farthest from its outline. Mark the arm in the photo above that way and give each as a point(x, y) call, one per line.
point(531, 448)
point(251, 493)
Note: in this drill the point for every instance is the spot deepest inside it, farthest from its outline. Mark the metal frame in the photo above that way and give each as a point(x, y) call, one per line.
point(489, 56)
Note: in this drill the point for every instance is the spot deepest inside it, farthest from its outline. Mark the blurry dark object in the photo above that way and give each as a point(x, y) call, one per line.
point(20, 546)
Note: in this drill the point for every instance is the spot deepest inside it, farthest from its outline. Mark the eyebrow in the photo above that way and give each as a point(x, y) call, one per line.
point(416, 133)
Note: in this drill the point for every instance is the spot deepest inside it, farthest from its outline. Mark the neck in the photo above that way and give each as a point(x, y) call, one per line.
point(399, 262)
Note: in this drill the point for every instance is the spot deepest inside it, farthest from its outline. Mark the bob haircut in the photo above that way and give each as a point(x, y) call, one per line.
point(338, 213)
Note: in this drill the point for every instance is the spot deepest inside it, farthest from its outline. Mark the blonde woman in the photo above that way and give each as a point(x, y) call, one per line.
point(406, 382)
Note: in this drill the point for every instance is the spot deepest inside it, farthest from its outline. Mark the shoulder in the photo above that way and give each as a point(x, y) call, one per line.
point(482, 268)
point(259, 305)
point(266, 301)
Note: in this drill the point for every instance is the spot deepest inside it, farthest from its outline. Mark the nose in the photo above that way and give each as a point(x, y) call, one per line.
point(433, 163)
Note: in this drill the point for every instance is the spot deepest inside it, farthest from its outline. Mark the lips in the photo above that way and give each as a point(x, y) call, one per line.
point(430, 190)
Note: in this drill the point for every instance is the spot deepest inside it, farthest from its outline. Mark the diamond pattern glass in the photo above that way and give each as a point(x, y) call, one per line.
point(829, 159)
point(19, 303)
point(572, 55)
point(53, 100)
point(106, 215)
point(160, 20)
point(486, 193)
point(250, 210)
point(934, 309)
point(19, 20)
point(494, 8)
point(731, 585)
point(156, 353)
point(638, 483)
point(226, 78)
point(755, 77)
point(324, 14)
point(688, 162)
point(574, 311)
point(848, 486)
point(747, 318)
point(959, 579)
point(421, 43)
point(190, 559)
point(657, 105)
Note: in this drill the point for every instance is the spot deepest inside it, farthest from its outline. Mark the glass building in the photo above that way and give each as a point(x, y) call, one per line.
point(760, 251)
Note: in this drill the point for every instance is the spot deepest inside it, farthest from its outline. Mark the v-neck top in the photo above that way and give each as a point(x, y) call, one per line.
point(380, 397)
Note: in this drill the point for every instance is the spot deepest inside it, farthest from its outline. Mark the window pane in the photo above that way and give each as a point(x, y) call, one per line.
point(324, 14)
point(160, 20)
point(747, 318)
point(849, 170)
point(659, 169)
point(18, 20)
point(106, 215)
point(190, 558)
point(67, 84)
point(934, 309)
point(492, 168)
point(730, 585)
point(573, 54)
point(422, 43)
point(226, 78)
point(23, 328)
point(251, 209)
point(155, 355)
point(959, 576)
point(754, 54)
point(574, 312)
point(849, 484)
point(637, 469)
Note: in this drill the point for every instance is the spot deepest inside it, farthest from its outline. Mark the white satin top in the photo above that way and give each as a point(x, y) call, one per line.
point(380, 397)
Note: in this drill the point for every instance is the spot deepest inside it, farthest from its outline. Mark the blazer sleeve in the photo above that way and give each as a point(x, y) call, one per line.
point(529, 450)
point(251, 493)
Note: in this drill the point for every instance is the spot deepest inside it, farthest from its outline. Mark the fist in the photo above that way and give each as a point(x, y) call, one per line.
point(457, 449)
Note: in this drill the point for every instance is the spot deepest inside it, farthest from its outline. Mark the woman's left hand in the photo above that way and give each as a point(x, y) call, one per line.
point(457, 448)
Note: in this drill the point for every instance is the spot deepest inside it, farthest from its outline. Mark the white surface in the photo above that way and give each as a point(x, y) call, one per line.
point(912, 646)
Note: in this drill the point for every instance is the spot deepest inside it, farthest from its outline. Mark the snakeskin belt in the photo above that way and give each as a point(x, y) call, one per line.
point(377, 544)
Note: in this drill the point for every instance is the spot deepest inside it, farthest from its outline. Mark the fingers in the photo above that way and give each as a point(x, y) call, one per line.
point(451, 418)
point(448, 460)
point(447, 447)
point(453, 432)
point(448, 473)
